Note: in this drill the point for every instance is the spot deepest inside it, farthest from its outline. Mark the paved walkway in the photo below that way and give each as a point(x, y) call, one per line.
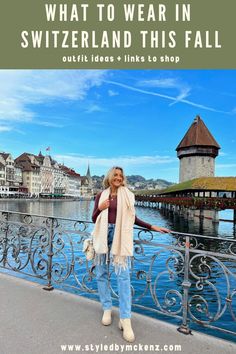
point(34, 321)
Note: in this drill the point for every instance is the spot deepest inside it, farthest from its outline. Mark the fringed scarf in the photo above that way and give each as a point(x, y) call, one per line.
point(122, 245)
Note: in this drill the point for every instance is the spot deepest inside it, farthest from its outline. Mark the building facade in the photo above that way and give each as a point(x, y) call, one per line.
point(59, 180)
point(36, 176)
point(9, 185)
point(30, 167)
point(46, 174)
point(72, 182)
point(8, 162)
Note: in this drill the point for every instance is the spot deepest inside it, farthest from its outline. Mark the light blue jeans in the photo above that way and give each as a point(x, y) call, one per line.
point(123, 282)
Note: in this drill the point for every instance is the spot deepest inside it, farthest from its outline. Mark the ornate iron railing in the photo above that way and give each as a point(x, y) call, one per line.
point(189, 277)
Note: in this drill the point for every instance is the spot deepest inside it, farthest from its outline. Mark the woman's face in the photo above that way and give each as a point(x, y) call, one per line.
point(117, 179)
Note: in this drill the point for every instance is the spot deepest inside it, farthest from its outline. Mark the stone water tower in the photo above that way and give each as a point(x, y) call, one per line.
point(197, 152)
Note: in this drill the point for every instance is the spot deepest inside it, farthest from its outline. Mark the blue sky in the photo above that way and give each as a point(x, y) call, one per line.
point(132, 118)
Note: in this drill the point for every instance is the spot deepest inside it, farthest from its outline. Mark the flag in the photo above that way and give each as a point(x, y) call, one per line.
point(48, 148)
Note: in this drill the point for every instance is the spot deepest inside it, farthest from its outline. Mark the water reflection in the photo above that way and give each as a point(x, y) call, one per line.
point(66, 209)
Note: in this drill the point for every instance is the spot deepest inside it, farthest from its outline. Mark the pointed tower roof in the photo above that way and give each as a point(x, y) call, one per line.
point(88, 175)
point(198, 135)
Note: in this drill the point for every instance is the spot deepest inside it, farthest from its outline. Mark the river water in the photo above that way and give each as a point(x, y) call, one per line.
point(82, 210)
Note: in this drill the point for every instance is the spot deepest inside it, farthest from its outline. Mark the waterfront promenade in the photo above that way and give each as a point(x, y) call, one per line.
point(35, 321)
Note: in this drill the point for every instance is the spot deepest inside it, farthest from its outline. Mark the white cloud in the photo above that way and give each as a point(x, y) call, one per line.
point(49, 124)
point(168, 83)
point(233, 110)
point(226, 165)
point(167, 97)
point(20, 89)
point(5, 128)
point(12, 109)
point(162, 83)
point(126, 161)
point(181, 96)
point(112, 93)
point(222, 153)
point(93, 108)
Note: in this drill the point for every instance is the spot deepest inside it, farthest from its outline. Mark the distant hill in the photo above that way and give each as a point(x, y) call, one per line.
point(136, 182)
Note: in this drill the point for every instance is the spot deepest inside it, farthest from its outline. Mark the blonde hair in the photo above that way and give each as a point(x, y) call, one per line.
point(110, 174)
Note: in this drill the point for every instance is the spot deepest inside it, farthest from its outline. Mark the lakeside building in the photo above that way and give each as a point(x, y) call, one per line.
point(9, 180)
point(59, 179)
point(71, 181)
point(36, 176)
point(30, 167)
point(46, 174)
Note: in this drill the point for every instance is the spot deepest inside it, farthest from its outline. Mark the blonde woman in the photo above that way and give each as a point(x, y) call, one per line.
point(114, 217)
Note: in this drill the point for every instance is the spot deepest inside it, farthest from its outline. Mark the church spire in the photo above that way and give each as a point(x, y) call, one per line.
point(88, 175)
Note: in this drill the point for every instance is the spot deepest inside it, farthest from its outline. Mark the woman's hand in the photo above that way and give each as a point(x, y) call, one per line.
point(162, 230)
point(104, 205)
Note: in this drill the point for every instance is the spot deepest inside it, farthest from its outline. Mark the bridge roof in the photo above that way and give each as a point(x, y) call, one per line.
point(224, 184)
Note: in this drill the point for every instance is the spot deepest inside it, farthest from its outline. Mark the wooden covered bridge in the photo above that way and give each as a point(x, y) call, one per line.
point(202, 197)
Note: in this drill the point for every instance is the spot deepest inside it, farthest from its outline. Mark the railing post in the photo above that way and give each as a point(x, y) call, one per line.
point(49, 286)
point(186, 285)
point(5, 240)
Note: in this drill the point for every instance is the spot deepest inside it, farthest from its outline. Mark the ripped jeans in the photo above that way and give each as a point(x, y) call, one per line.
point(123, 282)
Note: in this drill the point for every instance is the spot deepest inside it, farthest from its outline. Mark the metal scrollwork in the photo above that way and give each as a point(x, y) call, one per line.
point(145, 235)
point(232, 248)
point(189, 277)
point(194, 242)
point(212, 299)
point(80, 226)
point(28, 219)
point(39, 248)
point(169, 301)
point(52, 223)
point(232, 301)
